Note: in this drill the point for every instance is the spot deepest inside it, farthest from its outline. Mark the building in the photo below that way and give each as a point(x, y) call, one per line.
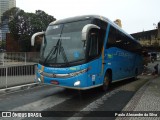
point(149, 39)
point(11, 44)
point(14, 45)
point(0, 39)
point(0, 35)
point(6, 5)
point(4, 29)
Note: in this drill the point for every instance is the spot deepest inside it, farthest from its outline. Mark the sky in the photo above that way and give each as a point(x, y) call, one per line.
point(136, 15)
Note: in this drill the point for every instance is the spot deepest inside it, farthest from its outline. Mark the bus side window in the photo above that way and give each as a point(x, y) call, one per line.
point(118, 40)
point(93, 51)
point(114, 38)
point(111, 38)
point(101, 39)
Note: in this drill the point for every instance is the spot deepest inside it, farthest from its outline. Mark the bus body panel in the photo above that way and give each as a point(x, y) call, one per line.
point(121, 63)
point(94, 72)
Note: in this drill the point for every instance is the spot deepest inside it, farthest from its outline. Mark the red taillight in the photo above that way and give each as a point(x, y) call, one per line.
point(54, 82)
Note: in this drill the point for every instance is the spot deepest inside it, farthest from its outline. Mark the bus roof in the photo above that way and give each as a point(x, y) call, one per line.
point(85, 17)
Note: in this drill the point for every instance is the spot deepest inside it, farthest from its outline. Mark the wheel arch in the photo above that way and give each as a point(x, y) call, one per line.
point(109, 71)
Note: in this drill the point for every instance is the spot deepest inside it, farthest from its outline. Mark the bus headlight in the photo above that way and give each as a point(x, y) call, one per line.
point(78, 72)
point(39, 80)
point(77, 83)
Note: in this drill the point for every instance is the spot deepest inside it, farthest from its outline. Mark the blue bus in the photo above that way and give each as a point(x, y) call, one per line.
point(86, 52)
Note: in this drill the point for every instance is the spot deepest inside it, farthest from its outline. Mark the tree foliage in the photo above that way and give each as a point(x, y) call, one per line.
point(23, 25)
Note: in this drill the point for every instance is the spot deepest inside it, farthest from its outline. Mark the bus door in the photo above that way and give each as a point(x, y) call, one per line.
point(94, 47)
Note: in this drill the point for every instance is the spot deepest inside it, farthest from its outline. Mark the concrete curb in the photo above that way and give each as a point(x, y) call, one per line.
point(16, 88)
point(135, 101)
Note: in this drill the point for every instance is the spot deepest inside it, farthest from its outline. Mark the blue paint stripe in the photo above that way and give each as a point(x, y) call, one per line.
point(106, 37)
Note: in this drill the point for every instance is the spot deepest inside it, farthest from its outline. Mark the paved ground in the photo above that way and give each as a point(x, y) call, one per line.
point(49, 98)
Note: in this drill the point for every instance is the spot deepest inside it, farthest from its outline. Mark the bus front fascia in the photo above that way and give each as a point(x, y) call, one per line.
point(85, 31)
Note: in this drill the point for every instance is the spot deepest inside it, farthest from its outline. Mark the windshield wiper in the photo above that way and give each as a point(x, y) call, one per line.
point(64, 55)
point(53, 50)
point(57, 50)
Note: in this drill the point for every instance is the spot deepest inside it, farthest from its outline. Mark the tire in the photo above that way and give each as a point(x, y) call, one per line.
point(136, 74)
point(106, 82)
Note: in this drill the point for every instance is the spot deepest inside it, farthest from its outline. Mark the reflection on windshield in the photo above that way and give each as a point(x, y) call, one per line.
point(63, 44)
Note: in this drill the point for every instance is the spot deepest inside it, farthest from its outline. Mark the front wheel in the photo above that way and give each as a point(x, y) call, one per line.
point(106, 82)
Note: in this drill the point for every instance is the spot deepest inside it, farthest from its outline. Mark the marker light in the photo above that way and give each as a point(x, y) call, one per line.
point(77, 83)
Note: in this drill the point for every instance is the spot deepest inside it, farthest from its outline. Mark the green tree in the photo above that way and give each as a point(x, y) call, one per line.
point(2, 44)
point(23, 25)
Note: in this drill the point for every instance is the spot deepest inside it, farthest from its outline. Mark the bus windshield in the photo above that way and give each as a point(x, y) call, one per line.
point(62, 43)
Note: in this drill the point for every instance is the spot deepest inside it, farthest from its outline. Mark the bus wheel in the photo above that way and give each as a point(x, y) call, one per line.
point(106, 82)
point(136, 74)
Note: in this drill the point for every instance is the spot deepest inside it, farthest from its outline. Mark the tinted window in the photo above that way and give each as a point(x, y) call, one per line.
point(75, 26)
point(93, 49)
point(54, 29)
point(114, 38)
point(118, 39)
point(95, 43)
point(100, 23)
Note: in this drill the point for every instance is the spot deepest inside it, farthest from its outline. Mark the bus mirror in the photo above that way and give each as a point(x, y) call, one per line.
point(86, 30)
point(34, 36)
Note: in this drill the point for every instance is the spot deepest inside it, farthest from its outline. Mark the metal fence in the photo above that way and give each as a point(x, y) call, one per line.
point(16, 75)
point(14, 58)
